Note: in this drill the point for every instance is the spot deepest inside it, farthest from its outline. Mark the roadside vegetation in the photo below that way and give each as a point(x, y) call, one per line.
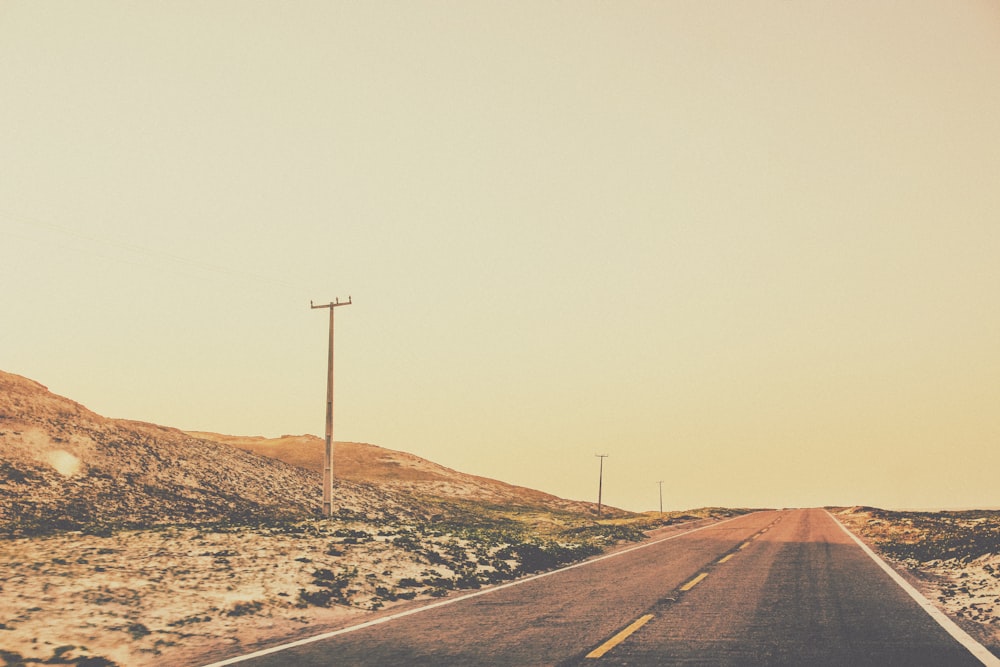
point(954, 557)
point(920, 537)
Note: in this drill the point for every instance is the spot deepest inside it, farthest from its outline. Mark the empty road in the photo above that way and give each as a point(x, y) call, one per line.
point(770, 588)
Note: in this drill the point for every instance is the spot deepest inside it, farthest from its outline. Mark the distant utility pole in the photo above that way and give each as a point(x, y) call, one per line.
point(600, 482)
point(661, 496)
point(328, 460)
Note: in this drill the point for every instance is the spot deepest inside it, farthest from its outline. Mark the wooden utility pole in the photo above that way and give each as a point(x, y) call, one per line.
point(600, 482)
point(328, 460)
point(661, 496)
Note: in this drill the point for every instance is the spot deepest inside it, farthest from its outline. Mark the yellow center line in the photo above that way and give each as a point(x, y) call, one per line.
point(744, 545)
point(619, 638)
point(725, 558)
point(694, 582)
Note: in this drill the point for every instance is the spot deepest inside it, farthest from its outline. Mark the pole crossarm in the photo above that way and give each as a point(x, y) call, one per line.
point(332, 304)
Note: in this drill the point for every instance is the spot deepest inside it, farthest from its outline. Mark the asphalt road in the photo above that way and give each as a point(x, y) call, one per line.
point(770, 588)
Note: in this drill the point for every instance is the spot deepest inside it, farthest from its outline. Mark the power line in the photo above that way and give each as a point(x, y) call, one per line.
point(97, 245)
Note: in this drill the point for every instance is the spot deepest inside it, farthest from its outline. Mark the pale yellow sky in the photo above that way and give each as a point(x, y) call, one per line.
point(748, 248)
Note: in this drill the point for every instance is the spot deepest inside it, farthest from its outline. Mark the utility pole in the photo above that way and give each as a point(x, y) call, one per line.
point(328, 460)
point(661, 496)
point(600, 483)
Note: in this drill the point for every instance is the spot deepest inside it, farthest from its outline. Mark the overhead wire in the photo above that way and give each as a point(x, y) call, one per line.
point(97, 242)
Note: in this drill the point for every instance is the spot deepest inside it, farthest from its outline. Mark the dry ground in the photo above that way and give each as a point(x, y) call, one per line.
point(158, 597)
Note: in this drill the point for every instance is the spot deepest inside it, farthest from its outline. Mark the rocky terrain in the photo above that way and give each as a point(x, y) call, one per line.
point(63, 467)
point(952, 557)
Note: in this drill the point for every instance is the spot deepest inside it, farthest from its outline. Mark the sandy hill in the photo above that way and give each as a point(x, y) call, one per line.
point(63, 467)
point(360, 462)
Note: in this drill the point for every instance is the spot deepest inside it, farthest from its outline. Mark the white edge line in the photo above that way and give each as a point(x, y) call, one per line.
point(961, 636)
point(435, 605)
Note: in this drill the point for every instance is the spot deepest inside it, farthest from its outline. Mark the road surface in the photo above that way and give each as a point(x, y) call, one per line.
point(769, 588)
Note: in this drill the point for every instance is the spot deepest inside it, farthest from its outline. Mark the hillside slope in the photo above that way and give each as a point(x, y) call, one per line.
point(63, 467)
point(365, 463)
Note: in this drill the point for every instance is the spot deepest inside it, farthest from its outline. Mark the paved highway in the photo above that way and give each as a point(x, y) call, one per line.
point(770, 588)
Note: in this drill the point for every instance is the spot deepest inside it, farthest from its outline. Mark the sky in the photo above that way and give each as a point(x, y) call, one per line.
point(749, 249)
